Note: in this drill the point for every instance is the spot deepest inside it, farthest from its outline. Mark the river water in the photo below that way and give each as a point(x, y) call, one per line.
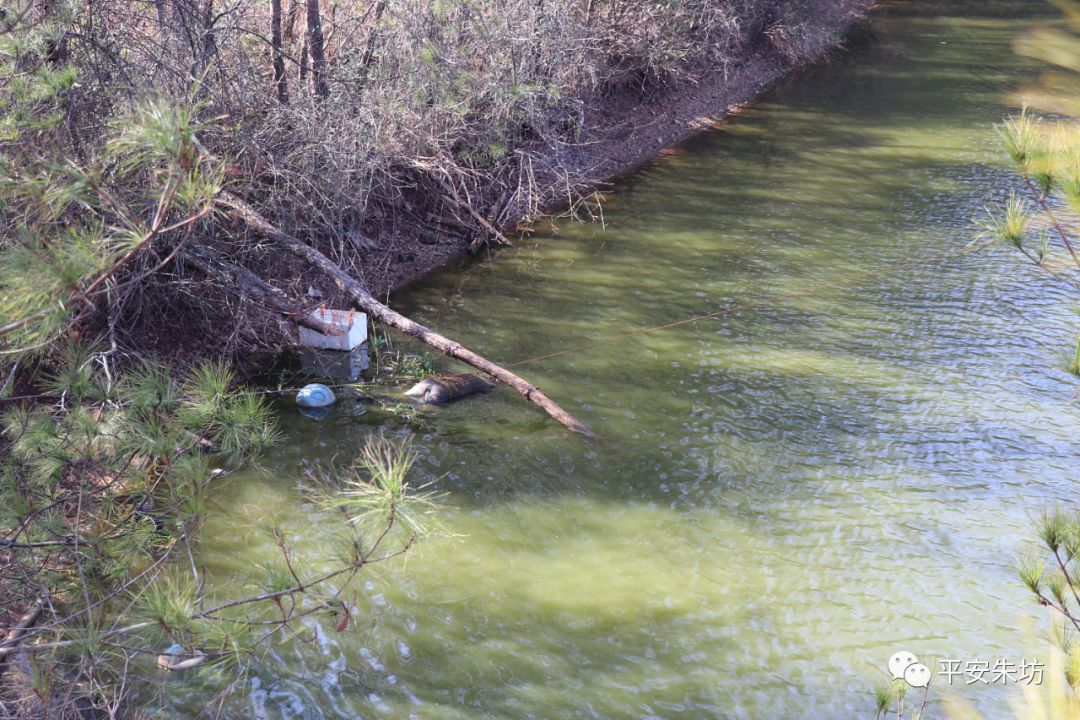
point(842, 463)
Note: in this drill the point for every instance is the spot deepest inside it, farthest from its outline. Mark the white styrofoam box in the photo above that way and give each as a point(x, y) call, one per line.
point(352, 323)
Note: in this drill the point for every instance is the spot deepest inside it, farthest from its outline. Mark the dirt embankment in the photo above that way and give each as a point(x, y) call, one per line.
point(625, 132)
point(419, 229)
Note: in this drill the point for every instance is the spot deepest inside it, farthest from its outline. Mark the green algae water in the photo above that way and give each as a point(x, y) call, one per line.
point(842, 464)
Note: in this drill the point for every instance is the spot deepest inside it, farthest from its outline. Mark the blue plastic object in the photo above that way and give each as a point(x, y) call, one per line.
point(315, 396)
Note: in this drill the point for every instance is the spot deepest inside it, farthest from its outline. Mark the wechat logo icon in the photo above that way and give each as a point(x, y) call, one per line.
point(905, 666)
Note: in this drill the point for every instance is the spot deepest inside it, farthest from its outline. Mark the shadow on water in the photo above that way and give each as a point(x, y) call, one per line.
point(841, 465)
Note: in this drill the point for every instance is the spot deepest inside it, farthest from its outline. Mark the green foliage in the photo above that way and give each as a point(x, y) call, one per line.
point(73, 228)
point(243, 427)
point(409, 414)
point(131, 457)
point(889, 697)
point(376, 492)
point(112, 476)
point(1055, 531)
point(400, 364)
point(1072, 360)
point(1007, 223)
point(31, 99)
point(171, 602)
point(1054, 582)
point(884, 697)
point(150, 389)
point(409, 366)
point(231, 640)
point(73, 374)
point(1030, 571)
point(1022, 138)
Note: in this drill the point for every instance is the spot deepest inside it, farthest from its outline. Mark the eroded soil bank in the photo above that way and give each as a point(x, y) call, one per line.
point(618, 136)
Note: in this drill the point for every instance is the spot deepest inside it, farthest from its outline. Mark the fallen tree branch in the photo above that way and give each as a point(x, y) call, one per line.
point(496, 210)
point(455, 201)
point(365, 301)
point(37, 544)
point(213, 265)
point(19, 628)
point(449, 222)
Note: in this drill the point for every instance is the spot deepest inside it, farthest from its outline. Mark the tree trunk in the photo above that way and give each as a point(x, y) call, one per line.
point(289, 31)
point(372, 44)
point(303, 62)
point(388, 316)
point(281, 84)
point(193, 20)
point(316, 49)
point(209, 42)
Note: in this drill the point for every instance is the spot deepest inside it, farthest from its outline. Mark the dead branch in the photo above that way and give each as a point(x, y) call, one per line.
point(388, 316)
point(19, 628)
point(454, 200)
point(236, 277)
point(448, 221)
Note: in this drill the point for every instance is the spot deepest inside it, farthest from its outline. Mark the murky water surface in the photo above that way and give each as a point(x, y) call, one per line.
point(842, 464)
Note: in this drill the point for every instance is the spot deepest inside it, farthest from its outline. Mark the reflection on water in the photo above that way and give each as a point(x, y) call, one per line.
point(841, 465)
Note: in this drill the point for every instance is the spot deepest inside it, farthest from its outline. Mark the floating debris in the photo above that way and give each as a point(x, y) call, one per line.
point(341, 357)
point(176, 659)
point(315, 395)
point(436, 390)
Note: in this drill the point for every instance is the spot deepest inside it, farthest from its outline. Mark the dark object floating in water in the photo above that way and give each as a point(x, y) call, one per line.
point(436, 390)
